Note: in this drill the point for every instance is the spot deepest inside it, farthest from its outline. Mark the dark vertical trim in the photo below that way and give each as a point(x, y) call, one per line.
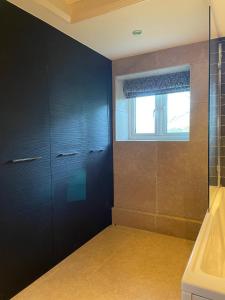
point(209, 89)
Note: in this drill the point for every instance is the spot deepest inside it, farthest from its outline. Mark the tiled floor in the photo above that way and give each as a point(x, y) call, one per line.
point(118, 264)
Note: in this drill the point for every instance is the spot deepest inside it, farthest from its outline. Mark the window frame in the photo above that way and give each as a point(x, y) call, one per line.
point(161, 133)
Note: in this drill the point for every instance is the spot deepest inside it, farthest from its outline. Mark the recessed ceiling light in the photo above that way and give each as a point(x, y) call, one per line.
point(137, 32)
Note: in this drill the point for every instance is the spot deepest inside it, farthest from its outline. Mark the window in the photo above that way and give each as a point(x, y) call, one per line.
point(154, 106)
point(161, 117)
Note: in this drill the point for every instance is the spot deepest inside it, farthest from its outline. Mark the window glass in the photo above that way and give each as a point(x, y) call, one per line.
point(145, 115)
point(178, 112)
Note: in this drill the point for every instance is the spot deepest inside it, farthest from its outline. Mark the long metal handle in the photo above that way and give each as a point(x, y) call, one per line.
point(67, 154)
point(99, 150)
point(27, 159)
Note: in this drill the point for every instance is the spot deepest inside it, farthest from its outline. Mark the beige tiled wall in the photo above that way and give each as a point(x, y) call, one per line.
point(163, 186)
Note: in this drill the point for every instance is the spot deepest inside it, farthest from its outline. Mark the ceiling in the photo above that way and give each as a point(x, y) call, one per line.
point(78, 10)
point(108, 29)
point(218, 19)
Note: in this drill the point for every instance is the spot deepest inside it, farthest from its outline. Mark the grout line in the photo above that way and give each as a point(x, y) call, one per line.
point(160, 215)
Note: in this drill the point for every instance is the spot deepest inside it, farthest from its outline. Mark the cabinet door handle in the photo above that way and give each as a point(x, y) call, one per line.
point(99, 150)
point(67, 154)
point(26, 159)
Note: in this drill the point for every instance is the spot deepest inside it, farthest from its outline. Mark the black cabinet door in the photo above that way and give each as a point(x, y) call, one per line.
point(25, 190)
point(79, 94)
point(68, 140)
point(99, 160)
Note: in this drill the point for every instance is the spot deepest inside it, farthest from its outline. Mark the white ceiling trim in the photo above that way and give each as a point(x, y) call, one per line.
point(55, 9)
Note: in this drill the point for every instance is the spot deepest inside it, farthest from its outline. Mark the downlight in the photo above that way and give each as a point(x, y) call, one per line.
point(137, 32)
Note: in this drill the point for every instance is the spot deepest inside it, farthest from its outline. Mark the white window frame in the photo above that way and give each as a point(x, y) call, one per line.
point(161, 133)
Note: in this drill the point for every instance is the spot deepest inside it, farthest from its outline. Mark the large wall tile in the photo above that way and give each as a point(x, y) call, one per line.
point(199, 82)
point(182, 183)
point(135, 175)
point(132, 218)
point(168, 178)
point(199, 122)
point(189, 54)
point(182, 228)
point(179, 227)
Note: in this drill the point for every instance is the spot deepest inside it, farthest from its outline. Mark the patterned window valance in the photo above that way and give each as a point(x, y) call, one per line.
point(157, 84)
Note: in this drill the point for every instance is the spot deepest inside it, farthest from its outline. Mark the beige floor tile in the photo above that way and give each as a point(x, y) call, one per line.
point(120, 263)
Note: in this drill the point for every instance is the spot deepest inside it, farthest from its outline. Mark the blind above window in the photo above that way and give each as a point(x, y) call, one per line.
point(157, 84)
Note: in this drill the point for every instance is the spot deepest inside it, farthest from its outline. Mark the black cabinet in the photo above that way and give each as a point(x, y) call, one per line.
point(80, 92)
point(25, 186)
point(55, 147)
point(99, 159)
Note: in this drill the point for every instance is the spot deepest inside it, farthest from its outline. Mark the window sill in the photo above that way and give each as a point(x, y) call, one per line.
point(160, 138)
point(145, 140)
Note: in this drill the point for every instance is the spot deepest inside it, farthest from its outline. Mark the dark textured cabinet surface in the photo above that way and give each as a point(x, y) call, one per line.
point(25, 190)
point(79, 102)
point(55, 98)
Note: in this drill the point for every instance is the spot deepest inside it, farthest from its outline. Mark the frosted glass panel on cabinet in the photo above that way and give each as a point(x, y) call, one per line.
point(76, 189)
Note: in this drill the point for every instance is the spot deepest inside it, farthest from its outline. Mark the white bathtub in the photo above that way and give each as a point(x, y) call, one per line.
point(204, 277)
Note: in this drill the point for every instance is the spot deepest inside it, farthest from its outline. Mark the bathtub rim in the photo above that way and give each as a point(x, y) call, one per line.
point(194, 280)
